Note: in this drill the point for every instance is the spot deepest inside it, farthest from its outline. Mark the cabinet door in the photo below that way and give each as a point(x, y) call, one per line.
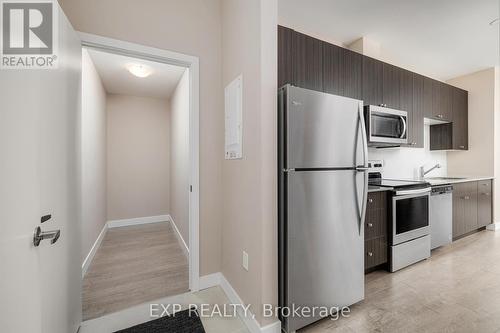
point(470, 212)
point(376, 215)
point(375, 252)
point(308, 62)
point(391, 83)
point(458, 214)
point(372, 81)
point(351, 65)
point(484, 203)
point(442, 97)
point(332, 73)
point(427, 97)
point(460, 119)
point(465, 208)
point(406, 100)
point(342, 70)
point(417, 112)
point(285, 56)
point(441, 137)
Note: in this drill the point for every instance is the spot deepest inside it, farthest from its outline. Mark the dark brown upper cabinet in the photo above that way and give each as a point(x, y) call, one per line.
point(381, 83)
point(416, 138)
point(460, 119)
point(453, 136)
point(391, 83)
point(442, 99)
point(372, 81)
point(441, 137)
point(308, 62)
point(285, 56)
point(427, 96)
point(342, 70)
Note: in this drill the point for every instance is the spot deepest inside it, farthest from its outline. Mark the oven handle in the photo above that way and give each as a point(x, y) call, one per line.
point(404, 127)
point(409, 192)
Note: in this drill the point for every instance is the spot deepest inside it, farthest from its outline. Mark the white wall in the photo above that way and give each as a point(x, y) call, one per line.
point(479, 159)
point(404, 162)
point(179, 156)
point(249, 47)
point(138, 157)
point(93, 159)
point(496, 182)
point(192, 27)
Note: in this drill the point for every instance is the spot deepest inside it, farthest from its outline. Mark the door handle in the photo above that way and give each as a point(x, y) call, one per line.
point(404, 127)
point(40, 235)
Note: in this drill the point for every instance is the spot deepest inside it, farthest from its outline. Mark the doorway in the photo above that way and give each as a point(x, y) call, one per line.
point(151, 179)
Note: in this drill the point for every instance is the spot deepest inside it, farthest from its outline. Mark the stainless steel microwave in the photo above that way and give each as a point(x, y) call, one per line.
point(386, 127)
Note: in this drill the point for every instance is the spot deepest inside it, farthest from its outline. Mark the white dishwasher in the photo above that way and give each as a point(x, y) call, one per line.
point(441, 214)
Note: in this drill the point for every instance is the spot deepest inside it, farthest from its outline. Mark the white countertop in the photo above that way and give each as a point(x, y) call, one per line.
point(456, 179)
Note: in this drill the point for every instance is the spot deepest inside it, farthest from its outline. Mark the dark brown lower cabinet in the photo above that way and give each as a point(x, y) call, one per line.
point(472, 207)
point(376, 230)
point(484, 203)
point(375, 252)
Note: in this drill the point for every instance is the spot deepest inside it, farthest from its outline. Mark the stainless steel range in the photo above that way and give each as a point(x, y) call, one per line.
point(409, 231)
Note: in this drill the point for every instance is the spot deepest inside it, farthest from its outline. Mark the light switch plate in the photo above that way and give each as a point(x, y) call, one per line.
point(245, 261)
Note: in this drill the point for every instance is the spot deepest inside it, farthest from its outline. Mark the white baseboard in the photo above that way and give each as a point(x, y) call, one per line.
point(137, 221)
point(493, 227)
point(93, 250)
point(117, 224)
point(250, 322)
point(210, 280)
point(184, 246)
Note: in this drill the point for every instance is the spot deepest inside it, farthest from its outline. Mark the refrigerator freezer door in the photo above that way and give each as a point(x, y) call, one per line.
point(325, 261)
point(323, 130)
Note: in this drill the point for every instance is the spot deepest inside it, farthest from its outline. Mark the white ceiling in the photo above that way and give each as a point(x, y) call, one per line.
point(112, 69)
point(438, 38)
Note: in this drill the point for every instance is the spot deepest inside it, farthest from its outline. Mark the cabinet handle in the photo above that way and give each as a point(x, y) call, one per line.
point(370, 225)
point(440, 116)
point(370, 254)
point(370, 200)
point(413, 143)
point(485, 184)
point(466, 197)
point(487, 194)
point(461, 147)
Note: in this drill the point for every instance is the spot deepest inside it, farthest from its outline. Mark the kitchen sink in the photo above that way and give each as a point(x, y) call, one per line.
point(445, 178)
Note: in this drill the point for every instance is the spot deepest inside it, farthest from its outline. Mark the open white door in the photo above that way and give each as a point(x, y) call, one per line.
point(39, 111)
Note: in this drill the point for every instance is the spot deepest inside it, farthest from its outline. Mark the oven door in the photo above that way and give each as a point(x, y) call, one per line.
point(410, 216)
point(387, 125)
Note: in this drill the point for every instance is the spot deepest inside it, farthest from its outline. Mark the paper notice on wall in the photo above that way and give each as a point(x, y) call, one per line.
point(233, 119)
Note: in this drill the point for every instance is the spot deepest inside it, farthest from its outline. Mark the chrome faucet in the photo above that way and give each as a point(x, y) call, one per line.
point(422, 172)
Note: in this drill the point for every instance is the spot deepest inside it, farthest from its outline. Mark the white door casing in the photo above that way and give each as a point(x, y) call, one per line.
point(40, 287)
point(115, 46)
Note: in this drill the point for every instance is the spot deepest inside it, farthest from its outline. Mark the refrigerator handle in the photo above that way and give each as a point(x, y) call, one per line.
point(363, 168)
point(363, 134)
point(364, 203)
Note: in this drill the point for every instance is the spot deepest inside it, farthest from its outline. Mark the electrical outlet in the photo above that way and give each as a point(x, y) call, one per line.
point(245, 261)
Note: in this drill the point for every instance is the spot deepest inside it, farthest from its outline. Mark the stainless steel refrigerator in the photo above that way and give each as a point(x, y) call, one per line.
point(323, 184)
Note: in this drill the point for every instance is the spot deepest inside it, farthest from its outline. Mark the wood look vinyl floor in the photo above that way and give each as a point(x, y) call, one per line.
point(133, 265)
point(456, 290)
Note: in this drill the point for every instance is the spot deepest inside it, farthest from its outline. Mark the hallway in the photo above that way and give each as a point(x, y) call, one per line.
point(133, 265)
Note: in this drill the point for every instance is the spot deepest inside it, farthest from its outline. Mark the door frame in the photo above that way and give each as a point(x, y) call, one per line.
point(120, 47)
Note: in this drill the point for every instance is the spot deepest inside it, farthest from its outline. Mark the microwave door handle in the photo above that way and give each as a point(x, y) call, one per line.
point(404, 127)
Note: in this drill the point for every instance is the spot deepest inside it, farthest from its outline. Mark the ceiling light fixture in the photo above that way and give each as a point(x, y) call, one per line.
point(495, 21)
point(140, 70)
